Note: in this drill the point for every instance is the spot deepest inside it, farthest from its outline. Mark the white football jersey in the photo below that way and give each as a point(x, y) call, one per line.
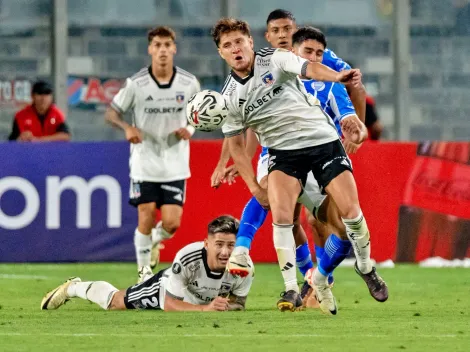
point(189, 279)
point(158, 111)
point(273, 102)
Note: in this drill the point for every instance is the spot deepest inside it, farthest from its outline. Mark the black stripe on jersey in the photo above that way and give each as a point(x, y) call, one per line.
point(186, 260)
point(190, 254)
point(210, 274)
point(162, 86)
point(192, 260)
point(267, 50)
point(264, 54)
point(226, 83)
point(114, 106)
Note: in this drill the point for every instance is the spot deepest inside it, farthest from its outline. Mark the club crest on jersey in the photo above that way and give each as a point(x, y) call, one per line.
point(268, 78)
point(180, 98)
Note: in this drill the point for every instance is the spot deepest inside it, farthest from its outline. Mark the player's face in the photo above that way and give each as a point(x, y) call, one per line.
point(42, 102)
point(219, 247)
point(162, 50)
point(236, 49)
point(279, 33)
point(311, 50)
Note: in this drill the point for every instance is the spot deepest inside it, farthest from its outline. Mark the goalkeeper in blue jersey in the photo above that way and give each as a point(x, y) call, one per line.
point(330, 249)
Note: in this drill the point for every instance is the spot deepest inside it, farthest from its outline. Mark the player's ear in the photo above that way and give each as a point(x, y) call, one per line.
point(251, 42)
point(149, 48)
point(220, 53)
point(266, 36)
point(206, 242)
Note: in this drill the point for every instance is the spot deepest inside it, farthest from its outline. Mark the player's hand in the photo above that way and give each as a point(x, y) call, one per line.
point(133, 135)
point(353, 76)
point(230, 173)
point(353, 130)
point(350, 147)
point(183, 134)
point(26, 136)
point(261, 196)
point(217, 176)
point(218, 304)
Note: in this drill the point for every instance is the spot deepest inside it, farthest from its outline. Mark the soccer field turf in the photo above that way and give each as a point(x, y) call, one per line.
point(428, 310)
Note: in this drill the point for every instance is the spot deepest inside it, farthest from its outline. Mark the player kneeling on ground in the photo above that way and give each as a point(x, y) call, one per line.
point(196, 281)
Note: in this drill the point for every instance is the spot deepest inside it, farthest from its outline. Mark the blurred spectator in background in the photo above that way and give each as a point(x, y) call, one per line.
point(42, 120)
point(374, 126)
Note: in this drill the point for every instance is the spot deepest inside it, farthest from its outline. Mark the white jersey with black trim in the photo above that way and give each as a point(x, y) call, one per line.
point(273, 102)
point(159, 109)
point(189, 279)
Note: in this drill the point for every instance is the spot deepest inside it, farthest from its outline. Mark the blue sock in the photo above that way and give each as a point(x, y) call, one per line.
point(253, 217)
point(319, 253)
point(335, 251)
point(303, 258)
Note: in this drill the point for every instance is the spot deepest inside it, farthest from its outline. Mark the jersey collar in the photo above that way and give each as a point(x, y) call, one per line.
point(209, 273)
point(247, 78)
point(163, 86)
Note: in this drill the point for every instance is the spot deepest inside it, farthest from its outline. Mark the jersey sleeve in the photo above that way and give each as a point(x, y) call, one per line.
point(178, 279)
point(233, 125)
point(195, 87)
point(340, 102)
point(288, 62)
point(334, 62)
point(124, 99)
point(242, 288)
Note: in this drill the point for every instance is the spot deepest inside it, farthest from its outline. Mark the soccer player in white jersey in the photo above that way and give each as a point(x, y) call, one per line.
point(196, 281)
point(159, 137)
point(265, 94)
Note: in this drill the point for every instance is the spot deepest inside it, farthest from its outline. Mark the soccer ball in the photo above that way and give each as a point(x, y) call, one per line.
point(206, 110)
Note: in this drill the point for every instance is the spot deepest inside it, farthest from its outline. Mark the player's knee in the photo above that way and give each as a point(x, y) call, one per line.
point(351, 211)
point(117, 302)
point(171, 225)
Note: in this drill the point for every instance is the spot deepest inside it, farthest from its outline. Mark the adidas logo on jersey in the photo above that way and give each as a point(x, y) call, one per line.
point(241, 102)
point(149, 98)
point(345, 162)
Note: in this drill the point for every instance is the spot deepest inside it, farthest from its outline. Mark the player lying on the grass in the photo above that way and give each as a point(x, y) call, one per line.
point(264, 93)
point(196, 281)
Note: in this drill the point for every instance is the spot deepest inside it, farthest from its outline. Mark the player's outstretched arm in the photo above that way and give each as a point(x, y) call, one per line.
point(173, 304)
point(245, 169)
point(320, 72)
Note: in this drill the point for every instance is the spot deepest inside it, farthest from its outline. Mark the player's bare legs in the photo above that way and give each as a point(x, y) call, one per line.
point(343, 190)
point(283, 191)
point(165, 229)
point(143, 238)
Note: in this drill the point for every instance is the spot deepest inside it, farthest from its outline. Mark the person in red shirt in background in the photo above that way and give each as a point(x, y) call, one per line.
point(42, 120)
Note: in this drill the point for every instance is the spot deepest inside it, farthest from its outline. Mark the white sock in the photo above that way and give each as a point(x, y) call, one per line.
point(240, 250)
point(284, 243)
point(99, 292)
point(358, 234)
point(159, 233)
point(143, 248)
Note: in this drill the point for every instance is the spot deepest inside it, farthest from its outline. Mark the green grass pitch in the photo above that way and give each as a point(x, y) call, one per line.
point(428, 310)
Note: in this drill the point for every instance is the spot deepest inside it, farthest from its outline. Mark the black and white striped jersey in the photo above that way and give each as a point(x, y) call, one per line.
point(191, 280)
point(159, 109)
point(273, 102)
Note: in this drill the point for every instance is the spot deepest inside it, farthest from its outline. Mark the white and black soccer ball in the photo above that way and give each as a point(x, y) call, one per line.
point(206, 110)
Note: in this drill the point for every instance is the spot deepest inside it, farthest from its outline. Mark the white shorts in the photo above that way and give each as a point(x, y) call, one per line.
point(311, 198)
point(262, 169)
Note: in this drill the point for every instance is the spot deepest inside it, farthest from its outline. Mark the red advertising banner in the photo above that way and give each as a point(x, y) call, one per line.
point(390, 177)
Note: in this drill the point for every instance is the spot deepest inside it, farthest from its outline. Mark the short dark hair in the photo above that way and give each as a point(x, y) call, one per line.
point(224, 224)
point(42, 88)
point(227, 25)
point(162, 31)
point(306, 33)
point(280, 14)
